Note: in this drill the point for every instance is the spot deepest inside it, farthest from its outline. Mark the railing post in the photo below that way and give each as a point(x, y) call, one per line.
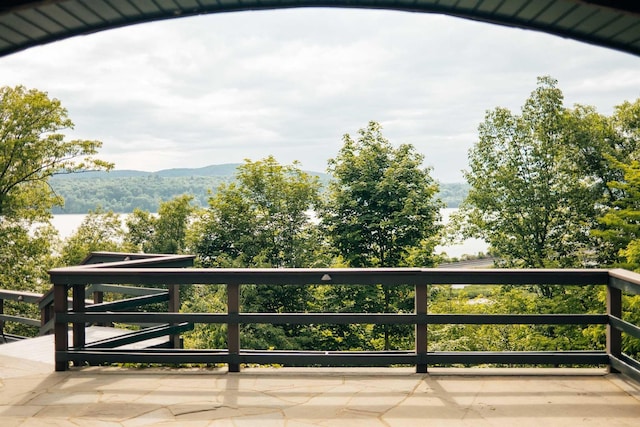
point(174, 307)
point(78, 296)
point(233, 329)
point(2, 321)
point(45, 316)
point(614, 335)
point(98, 298)
point(61, 329)
point(421, 328)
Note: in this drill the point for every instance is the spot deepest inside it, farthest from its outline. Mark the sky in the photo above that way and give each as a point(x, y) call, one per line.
point(221, 88)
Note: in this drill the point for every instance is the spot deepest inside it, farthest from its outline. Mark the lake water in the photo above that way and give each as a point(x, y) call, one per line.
point(68, 224)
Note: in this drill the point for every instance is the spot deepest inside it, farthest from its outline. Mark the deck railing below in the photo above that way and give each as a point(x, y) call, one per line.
point(20, 297)
point(129, 297)
point(134, 273)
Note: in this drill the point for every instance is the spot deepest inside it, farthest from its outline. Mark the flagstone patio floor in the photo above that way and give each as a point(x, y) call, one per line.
point(32, 394)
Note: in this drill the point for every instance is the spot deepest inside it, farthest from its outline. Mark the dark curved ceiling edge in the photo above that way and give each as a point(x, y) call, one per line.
point(613, 24)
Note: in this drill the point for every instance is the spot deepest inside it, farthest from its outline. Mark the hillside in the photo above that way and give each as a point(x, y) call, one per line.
point(124, 190)
point(223, 170)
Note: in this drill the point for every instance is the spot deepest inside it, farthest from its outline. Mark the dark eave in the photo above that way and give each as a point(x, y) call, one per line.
point(613, 24)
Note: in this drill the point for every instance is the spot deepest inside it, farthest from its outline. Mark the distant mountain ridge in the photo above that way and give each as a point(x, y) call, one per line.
point(226, 169)
point(122, 191)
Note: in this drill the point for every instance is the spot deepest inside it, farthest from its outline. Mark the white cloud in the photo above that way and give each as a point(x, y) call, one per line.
point(224, 87)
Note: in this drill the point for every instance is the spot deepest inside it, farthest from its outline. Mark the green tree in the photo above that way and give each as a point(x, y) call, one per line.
point(165, 233)
point(262, 220)
point(140, 229)
point(530, 197)
point(620, 224)
point(508, 300)
point(380, 211)
point(380, 203)
point(25, 258)
point(100, 231)
point(33, 149)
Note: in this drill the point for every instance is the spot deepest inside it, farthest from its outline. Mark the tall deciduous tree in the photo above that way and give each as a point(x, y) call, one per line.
point(381, 203)
point(620, 225)
point(33, 148)
point(381, 208)
point(165, 233)
point(262, 219)
point(530, 196)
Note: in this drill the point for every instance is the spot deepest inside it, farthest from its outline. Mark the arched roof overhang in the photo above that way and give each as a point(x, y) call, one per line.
point(610, 23)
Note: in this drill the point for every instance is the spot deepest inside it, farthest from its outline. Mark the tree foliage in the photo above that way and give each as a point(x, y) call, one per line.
point(260, 220)
point(100, 231)
point(509, 300)
point(33, 148)
point(165, 233)
point(530, 197)
point(380, 210)
point(124, 194)
point(26, 256)
point(619, 225)
point(381, 203)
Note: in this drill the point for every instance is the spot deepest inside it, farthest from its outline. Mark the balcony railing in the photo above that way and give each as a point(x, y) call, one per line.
point(138, 272)
point(19, 297)
point(26, 301)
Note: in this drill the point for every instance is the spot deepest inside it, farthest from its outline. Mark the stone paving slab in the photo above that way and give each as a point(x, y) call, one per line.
point(32, 394)
point(40, 349)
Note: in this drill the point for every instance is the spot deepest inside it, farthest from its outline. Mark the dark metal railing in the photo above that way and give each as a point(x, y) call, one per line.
point(138, 296)
point(77, 279)
point(27, 298)
point(621, 282)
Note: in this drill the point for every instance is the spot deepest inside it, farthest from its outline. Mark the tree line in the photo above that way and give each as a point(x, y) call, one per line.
point(548, 187)
point(125, 192)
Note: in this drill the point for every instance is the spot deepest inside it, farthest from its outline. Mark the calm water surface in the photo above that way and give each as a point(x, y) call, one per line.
point(68, 224)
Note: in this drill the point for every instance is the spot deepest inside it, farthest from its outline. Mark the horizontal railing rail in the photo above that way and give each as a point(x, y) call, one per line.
point(80, 352)
point(140, 335)
point(26, 297)
point(21, 297)
point(45, 324)
point(140, 295)
point(106, 273)
point(621, 282)
point(91, 316)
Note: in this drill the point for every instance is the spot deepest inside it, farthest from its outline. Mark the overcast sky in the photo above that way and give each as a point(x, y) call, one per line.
point(220, 88)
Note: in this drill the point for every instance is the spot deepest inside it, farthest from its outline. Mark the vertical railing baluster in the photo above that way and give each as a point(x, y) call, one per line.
point(98, 298)
point(614, 335)
point(61, 329)
point(421, 327)
point(78, 297)
point(2, 320)
point(233, 328)
point(47, 312)
point(174, 307)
